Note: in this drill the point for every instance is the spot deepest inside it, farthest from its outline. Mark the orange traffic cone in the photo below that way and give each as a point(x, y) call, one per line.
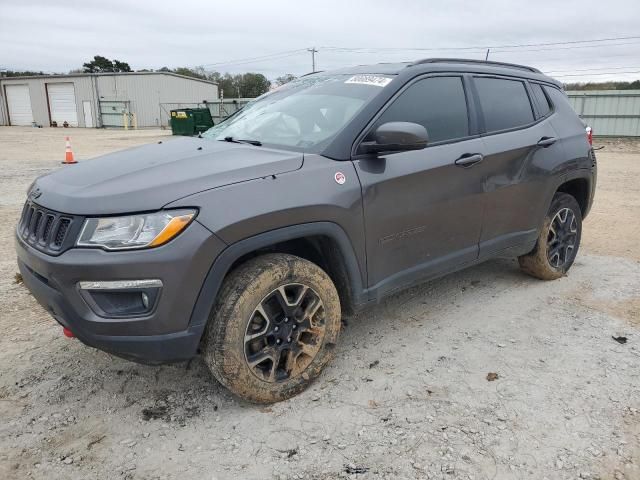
point(68, 154)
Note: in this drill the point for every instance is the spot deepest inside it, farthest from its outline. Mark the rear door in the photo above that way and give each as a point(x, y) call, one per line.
point(423, 213)
point(520, 145)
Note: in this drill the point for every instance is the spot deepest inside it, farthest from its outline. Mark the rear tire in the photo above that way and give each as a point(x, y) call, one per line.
point(273, 329)
point(558, 241)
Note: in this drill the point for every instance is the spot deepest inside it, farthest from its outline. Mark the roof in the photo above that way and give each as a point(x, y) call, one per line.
point(451, 64)
point(106, 74)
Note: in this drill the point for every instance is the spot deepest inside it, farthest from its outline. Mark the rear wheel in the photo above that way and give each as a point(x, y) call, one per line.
point(558, 242)
point(273, 329)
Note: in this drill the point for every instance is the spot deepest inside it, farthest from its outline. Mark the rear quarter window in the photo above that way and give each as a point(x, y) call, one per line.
point(541, 100)
point(505, 103)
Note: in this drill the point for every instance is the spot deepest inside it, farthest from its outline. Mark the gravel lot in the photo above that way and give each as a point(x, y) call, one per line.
point(407, 397)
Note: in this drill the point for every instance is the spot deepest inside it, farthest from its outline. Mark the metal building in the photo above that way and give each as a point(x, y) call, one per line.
point(614, 113)
point(99, 99)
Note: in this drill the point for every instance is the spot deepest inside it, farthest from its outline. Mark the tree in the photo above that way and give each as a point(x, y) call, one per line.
point(635, 85)
point(252, 85)
point(25, 73)
point(119, 66)
point(197, 72)
point(286, 78)
point(101, 64)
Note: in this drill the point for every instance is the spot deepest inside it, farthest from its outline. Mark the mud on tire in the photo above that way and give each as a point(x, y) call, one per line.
point(273, 328)
point(558, 240)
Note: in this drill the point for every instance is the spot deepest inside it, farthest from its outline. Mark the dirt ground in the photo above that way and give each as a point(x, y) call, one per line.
point(407, 397)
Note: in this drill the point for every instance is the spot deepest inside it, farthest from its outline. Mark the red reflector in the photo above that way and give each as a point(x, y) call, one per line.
point(67, 333)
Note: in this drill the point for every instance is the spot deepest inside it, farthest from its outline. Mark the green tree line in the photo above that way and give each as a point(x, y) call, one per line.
point(635, 85)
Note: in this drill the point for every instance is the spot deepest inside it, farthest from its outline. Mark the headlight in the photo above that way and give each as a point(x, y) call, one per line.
point(134, 231)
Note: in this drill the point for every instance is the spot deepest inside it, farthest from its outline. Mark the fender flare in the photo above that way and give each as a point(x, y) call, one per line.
point(577, 174)
point(222, 264)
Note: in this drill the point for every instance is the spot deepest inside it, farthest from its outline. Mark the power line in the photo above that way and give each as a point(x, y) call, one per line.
point(569, 44)
point(594, 74)
point(481, 47)
point(572, 47)
point(286, 53)
point(588, 69)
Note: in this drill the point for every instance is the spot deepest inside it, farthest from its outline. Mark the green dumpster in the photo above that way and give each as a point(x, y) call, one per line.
point(190, 121)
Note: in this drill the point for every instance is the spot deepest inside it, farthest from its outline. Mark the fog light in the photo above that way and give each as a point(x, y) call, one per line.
point(145, 300)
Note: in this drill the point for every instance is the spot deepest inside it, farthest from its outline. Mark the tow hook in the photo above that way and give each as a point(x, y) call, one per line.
point(67, 333)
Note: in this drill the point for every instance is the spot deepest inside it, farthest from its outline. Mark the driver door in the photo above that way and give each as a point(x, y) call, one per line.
point(423, 211)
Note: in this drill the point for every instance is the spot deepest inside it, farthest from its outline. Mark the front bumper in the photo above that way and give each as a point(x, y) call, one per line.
point(170, 332)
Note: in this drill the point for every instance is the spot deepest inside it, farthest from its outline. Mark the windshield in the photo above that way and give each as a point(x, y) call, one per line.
point(304, 114)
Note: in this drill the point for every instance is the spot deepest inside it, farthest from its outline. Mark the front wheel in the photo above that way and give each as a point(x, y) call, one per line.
point(273, 329)
point(558, 241)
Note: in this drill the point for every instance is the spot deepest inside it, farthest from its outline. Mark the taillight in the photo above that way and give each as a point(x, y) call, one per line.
point(590, 135)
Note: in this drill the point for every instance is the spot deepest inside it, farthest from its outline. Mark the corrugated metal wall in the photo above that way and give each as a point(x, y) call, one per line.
point(144, 93)
point(614, 113)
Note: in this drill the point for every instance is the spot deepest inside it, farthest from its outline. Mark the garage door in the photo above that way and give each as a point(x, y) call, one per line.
point(19, 103)
point(62, 103)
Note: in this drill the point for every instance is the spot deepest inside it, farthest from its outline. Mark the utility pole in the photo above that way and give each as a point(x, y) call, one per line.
point(486, 57)
point(313, 58)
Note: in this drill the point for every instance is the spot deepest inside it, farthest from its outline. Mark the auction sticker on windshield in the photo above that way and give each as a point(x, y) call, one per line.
point(375, 80)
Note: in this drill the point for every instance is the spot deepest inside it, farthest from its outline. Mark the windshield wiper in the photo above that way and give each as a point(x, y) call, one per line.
point(256, 143)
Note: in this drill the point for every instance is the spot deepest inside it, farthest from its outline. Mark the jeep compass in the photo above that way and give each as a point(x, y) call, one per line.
point(251, 242)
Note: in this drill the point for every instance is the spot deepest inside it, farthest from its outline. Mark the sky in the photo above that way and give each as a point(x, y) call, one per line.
point(273, 37)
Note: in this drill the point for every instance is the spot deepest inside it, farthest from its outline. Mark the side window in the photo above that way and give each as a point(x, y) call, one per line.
point(438, 103)
point(541, 99)
point(505, 103)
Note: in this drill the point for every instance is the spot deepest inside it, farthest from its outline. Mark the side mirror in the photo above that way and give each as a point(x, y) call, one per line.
point(397, 137)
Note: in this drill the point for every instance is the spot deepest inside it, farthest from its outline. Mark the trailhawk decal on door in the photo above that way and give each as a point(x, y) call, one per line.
point(402, 235)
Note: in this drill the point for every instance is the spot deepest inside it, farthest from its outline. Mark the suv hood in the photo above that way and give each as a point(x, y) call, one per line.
point(148, 177)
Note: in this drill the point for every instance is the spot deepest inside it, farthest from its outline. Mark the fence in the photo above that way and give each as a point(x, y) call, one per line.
point(224, 108)
point(612, 113)
point(220, 109)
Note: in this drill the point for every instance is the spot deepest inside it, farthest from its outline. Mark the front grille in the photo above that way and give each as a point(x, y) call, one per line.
point(48, 231)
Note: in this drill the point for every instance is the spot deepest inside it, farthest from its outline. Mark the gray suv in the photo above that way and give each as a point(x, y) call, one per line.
point(317, 199)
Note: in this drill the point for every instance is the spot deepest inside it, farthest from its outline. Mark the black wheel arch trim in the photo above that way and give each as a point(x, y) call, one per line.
point(225, 260)
point(586, 174)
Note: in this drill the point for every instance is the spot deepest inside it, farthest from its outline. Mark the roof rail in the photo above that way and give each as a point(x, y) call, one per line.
point(472, 61)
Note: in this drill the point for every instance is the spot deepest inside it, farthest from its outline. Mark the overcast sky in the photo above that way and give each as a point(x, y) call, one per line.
point(60, 35)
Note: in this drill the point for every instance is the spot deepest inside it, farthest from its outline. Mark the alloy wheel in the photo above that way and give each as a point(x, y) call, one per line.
point(284, 333)
point(562, 236)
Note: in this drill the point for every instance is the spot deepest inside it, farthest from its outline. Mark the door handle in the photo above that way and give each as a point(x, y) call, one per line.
point(469, 159)
point(546, 141)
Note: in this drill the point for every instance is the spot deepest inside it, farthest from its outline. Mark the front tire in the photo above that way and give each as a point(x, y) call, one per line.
point(273, 329)
point(558, 241)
